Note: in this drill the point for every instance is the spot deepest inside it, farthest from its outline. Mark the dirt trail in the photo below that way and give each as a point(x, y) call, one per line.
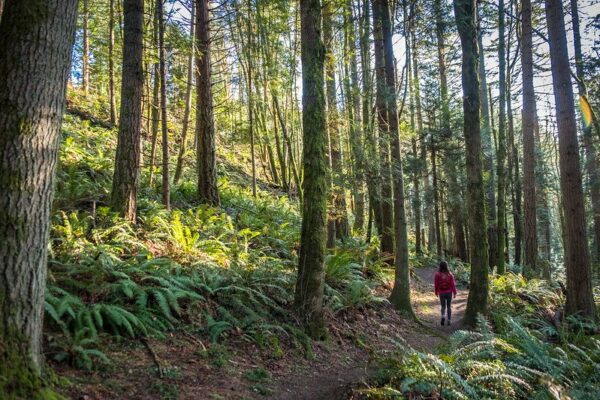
point(427, 305)
point(344, 366)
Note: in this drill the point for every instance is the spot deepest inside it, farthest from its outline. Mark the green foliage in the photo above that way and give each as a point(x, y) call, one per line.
point(518, 357)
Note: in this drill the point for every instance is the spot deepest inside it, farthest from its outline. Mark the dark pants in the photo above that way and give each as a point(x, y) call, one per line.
point(446, 300)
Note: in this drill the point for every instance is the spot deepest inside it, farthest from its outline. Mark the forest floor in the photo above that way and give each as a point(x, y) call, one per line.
point(191, 369)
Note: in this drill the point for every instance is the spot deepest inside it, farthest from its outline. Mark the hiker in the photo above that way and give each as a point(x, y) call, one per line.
point(445, 288)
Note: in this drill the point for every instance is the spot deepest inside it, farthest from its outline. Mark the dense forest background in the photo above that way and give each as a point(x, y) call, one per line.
point(233, 199)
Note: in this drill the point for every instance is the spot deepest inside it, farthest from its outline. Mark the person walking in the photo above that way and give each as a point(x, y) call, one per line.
point(445, 289)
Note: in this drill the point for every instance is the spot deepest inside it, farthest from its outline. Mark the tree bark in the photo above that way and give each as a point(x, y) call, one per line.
point(387, 212)
point(372, 162)
point(356, 134)
point(337, 226)
point(451, 160)
point(436, 202)
point(111, 63)
point(205, 124)
point(35, 55)
point(310, 281)
point(488, 158)
point(400, 296)
point(591, 162)
point(501, 153)
point(529, 117)
point(464, 11)
point(580, 299)
point(188, 99)
point(155, 97)
point(162, 61)
point(127, 158)
point(513, 168)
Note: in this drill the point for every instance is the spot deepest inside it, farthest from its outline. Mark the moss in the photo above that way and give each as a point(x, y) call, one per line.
point(19, 378)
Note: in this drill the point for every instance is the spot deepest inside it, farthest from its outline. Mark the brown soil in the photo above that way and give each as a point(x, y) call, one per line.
point(339, 364)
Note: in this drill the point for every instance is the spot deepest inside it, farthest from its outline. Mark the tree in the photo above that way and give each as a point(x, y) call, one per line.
point(501, 153)
point(580, 298)
point(387, 211)
point(188, 100)
point(35, 53)
point(451, 159)
point(400, 296)
point(356, 134)
point(111, 62)
point(310, 281)
point(488, 156)
point(464, 11)
point(591, 162)
point(162, 72)
point(127, 158)
point(337, 225)
point(206, 156)
point(529, 117)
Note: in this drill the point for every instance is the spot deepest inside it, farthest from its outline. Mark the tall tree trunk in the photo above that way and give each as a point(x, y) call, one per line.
point(436, 203)
point(451, 159)
point(166, 190)
point(111, 63)
point(310, 281)
point(205, 124)
point(580, 299)
point(529, 117)
point(501, 155)
point(85, 62)
point(188, 99)
point(337, 226)
point(372, 162)
point(514, 170)
point(356, 136)
point(423, 169)
point(400, 296)
point(464, 11)
point(387, 212)
point(417, 170)
point(488, 155)
point(155, 97)
point(127, 158)
point(591, 163)
point(35, 56)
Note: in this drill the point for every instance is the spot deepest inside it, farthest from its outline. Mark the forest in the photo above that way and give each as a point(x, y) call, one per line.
point(299, 199)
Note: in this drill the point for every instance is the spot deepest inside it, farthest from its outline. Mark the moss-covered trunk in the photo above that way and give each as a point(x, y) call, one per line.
point(385, 168)
point(35, 53)
point(310, 282)
point(464, 11)
point(337, 227)
point(400, 296)
point(501, 152)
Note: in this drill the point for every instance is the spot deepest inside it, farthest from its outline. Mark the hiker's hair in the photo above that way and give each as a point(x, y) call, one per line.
point(443, 267)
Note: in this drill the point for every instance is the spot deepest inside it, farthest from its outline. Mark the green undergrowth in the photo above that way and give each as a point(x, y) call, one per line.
point(213, 272)
point(525, 351)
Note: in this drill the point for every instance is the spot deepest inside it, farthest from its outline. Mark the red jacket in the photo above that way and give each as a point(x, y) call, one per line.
point(437, 281)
